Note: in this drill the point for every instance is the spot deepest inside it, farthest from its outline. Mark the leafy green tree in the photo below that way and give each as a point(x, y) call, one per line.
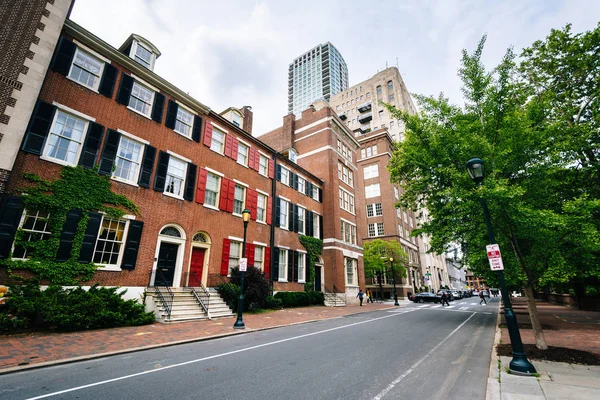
point(377, 254)
point(539, 141)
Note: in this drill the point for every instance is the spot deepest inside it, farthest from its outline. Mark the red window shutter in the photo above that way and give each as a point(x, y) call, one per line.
point(225, 257)
point(208, 128)
point(234, 147)
point(267, 262)
point(228, 143)
point(201, 189)
point(251, 157)
point(271, 169)
point(231, 196)
point(269, 209)
point(257, 161)
point(224, 194)
point(251, 202)
point(250, 249)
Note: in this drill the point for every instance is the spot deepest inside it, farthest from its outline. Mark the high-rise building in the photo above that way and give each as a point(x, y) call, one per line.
point(317, 74)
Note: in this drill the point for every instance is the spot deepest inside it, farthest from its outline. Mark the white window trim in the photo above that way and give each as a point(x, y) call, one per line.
point(303, 267)
point(304, 221)
point(260, 244)
point(215, 172)
point(43, 155)
point(288, 176)
point(93, 53)
point(244, 201)
point(188, 109)
point(235, 239)
point(260, 191)
point(184, 177)
point(286, 279)
point(268, 158)
point(182, 158)
point(74, 112)
point(241, 183)
point(191, 127)
point(287, 220)
point(247, 154)
point(133, 137)
point(110, 267)
point(266, 206)
point(219, 127)
point(151, 101)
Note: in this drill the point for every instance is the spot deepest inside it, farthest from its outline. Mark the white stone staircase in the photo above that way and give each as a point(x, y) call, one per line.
point(334, 299)
point(185, 306)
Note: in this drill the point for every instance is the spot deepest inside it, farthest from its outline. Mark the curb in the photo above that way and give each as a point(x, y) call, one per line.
point(71, 360)
point(493, 391)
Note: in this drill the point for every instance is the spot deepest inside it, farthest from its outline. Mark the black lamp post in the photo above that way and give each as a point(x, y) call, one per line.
point(519, 364)
point(394, 281)
point(239, 323)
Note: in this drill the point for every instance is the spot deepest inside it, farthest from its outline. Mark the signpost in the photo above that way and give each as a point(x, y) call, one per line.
point(243, 264)
point(494, 257)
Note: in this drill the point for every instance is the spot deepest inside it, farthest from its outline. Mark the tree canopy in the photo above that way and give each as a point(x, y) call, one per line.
point(377, 254)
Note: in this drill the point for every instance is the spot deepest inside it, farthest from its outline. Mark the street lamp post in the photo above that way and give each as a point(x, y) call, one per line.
point(239, 323)
point(519, 363)
point(394, 281)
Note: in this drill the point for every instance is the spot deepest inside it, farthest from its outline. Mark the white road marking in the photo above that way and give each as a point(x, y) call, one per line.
point(472, 304)
point(450, 306)
point(463, 308)
point(415, 365)
point(215, 356)
point(488, 313)
point(424, 305)
point(436, 306)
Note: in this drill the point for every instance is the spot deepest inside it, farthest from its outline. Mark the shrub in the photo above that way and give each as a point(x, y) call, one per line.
point(256, 287)
point(273, 303)
point(230, 294)
point(71, 309)
point(300, 299)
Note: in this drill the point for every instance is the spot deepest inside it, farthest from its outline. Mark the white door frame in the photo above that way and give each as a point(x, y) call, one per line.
point(206, 247)
point(179, 261)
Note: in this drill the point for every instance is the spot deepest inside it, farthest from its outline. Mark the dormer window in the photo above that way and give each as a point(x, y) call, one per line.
point(236, 119)
point(143, 56)
point(140, 50)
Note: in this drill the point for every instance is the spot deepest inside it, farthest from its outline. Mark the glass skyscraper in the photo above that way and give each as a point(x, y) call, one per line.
point(316, 74)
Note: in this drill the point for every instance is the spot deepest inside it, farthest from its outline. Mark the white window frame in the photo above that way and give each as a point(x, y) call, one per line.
point(371, 171)
point(301, 223)
point(151, 102)
point(350, 271)
point(179, 121)
point(78, 116)
point(375, 228)
point(396, 193)
point(260, 259)
point(237, 201)
point(287, 176)
point(373, 190)
point(263, 169)
point(142, 144)
point(301, 184)
point(214, 142)
point(183, 180)
point(31, 231)
point(283, 270)
point(233, 257)
point(285, 202)
point(218, 192)
point(266, 202)
point(315, 193)
point(94, 56)
point(301, 267)
point(111, 267)
point(133, 54)
point(241, 145)
point(316, 226)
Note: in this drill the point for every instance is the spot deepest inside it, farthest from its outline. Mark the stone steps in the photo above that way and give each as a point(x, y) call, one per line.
point(185, 307)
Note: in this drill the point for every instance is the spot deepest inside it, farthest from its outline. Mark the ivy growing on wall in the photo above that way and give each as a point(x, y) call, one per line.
point(76, 189)
point(313, 247)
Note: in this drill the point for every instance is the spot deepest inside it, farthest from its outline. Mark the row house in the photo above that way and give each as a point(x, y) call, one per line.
point(191, 171)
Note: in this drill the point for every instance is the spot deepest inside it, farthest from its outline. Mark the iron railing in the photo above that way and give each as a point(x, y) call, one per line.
point(194, 283)
point(167, 303)
point(334, 293)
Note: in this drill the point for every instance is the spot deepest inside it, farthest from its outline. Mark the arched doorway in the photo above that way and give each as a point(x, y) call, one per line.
point(168, 256)
point(319, 274)
point(200, 254)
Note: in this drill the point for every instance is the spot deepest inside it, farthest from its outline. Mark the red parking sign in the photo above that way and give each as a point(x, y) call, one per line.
point(494, 257)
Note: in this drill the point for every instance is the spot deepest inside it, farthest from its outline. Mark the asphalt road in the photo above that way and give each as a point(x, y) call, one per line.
point(414, 352)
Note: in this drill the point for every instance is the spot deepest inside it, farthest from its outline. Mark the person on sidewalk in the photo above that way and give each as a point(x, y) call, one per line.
point(445, 299)
point(482, 297)
point(360, 296)
point(369, 296)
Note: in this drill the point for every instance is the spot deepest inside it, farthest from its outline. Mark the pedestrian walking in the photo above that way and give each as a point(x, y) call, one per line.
point(445, 299)
point(369, 296)
point(360, 296)
point(482, 297)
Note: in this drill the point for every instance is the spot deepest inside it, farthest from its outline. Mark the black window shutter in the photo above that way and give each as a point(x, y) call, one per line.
point(320, 195)
point(38, 128)
point(190, 182)
point(321, 227)
point(309, 187)
point(147, 165)
point(171, 114)
point(108, 81)
point(109, 153)
point(277, 208)
point(67, 235)
point(89, 239)
point(294, 218)
point(294, 179)
point(91, 146)
point(275, 261)
point(158, 107)
point(278, 173)
point(11, 211)
point(132, 244)
point(290, 265)
point(63, 57)
point(295, 266)
point(125, 89)
point(309, 223)
point(161, 171)
point(197, 129)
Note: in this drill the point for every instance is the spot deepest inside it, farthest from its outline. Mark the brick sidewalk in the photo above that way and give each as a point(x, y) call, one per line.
point(570, 327)
point(27, 350)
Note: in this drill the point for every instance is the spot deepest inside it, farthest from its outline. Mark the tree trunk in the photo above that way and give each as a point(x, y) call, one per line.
point(540, 340)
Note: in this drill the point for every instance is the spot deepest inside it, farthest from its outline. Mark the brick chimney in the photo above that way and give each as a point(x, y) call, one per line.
point(248, 115)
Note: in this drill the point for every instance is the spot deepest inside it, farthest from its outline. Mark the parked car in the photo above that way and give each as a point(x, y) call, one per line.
point(457, 294)
point(426, 297)
point(467, 293)
point(475, 293)
point(448, 293)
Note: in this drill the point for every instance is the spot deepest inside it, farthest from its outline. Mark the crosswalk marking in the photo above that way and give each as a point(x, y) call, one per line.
point(450, 306)
point(436, 306)
point(463, 308)
point(424, 305)
point(472, 304)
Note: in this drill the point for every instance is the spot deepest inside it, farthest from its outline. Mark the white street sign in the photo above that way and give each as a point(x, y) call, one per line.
point(243, 264)
point(494, 257)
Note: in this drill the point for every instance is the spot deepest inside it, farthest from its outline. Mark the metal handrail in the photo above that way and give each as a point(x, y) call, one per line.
point(193, 283)
point(167, 305)
point(334, 292)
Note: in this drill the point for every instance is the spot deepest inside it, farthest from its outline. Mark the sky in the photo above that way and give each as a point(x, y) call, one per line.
point(237, 53)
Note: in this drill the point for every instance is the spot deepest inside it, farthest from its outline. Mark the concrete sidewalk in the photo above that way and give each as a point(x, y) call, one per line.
point(35, 350)
point(556, 380)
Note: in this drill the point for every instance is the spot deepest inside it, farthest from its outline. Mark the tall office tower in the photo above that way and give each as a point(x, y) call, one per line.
point(317, 74)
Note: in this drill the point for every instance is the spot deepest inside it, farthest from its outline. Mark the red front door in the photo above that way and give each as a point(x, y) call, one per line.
point(196, 266)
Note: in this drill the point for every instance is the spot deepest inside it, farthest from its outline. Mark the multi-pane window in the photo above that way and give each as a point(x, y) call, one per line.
point(372, 191)
point(285, 176)
point(217, 141)
point(316, 227)
point(301, 218)
point(301, 184)
point(263, 166)
point(175, 177)
point(346, 200)
point(238, 199)
point(261, 207)
point(398, 213)
point(378, 92)
point(351, 266)
point(235, 252)
point(348, 232)
point(374, 209)
point(345, 174)
point(34, 225)
point(315, 193)
point(212, 189)
point(301, 267)
point(141, 98)
point(369, 151)
point(143, 56)
point(376, 229)
point(86, 69)
point(66, 136)
point(184, 122)
point(283, 262)
point(371, 171)
point(283, 213)
point(128, 159)
point(109, 244)
point(242, 154)
point(259, 257)
point(400, 230)
point(396, 193)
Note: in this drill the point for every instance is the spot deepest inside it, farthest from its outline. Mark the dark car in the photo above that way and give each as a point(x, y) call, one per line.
point(426, 297)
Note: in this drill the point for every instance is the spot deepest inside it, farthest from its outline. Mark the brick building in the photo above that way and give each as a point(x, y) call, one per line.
point(190, 170)
point(29, 30)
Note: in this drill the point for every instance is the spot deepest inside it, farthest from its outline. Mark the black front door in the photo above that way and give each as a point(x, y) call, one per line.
point(317, 278)
point(165, 268)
